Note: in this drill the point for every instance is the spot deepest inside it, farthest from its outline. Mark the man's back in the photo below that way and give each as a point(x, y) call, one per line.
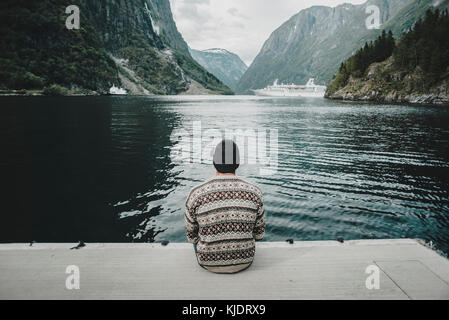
point(224, 217)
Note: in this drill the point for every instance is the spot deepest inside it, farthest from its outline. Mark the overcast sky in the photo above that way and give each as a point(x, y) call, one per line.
point(240, 26)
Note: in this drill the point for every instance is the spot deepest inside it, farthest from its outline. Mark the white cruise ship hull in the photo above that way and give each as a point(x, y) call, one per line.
point(288, 93)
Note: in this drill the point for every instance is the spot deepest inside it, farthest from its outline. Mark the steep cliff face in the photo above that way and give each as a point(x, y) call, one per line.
point(314, 42)
point(225, 65)
point(132, 44)
point(143, 40)
point(117, 21)
point(409, 14)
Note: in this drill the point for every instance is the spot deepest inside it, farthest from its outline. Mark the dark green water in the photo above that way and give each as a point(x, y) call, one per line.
point(100, 168)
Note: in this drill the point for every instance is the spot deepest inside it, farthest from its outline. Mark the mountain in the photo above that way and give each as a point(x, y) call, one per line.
point(313, 43)
point(407, 16)
point(415, 69)
point(225, 65)
point(129, 44)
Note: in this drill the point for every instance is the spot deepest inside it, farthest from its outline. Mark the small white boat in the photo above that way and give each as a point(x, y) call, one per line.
point(117, 91)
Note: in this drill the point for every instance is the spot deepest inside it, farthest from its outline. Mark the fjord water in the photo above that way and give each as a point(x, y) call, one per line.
point(101, 168)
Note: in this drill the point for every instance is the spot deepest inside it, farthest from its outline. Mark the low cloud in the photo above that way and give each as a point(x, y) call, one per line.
point(235, 13)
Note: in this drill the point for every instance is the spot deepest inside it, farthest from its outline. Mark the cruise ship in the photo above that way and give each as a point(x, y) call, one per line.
point(292, 90)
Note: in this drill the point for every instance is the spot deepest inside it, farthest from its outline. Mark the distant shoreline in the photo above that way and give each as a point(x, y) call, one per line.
point(417, 100)
point(36, 93)
point(40, 93)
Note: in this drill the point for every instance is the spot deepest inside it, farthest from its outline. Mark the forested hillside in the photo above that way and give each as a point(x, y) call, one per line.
point(415, 69)
point(374, 51)
point(130, 44)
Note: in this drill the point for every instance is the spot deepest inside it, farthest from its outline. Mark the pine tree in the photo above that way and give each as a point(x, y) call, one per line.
point(425, 45)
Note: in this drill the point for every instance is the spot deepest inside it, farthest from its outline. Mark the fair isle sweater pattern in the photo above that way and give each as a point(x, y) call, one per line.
point(224, 217)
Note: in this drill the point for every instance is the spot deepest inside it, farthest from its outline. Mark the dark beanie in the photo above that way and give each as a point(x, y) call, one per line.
point(226, 157)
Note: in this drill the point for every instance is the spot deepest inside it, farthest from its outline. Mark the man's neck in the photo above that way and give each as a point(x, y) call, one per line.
point(225, 174)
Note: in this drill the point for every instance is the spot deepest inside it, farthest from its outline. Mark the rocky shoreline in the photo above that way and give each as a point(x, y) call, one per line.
point(194, 89)
point(370, 94)
point(41, 93)
point(391, 98)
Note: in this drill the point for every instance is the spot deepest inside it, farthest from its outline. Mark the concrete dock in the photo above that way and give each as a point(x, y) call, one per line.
point(304, 270)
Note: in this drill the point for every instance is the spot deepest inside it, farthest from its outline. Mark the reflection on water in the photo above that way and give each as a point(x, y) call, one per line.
point(99, 168)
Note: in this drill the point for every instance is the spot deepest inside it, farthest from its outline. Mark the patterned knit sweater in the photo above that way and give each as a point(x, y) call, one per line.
point(224, 217)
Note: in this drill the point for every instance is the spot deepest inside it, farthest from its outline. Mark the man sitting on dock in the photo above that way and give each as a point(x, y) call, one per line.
point(225, 216)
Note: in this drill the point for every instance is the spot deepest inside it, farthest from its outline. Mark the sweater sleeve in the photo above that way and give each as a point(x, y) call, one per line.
point(192, 226)
point(259, 227)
